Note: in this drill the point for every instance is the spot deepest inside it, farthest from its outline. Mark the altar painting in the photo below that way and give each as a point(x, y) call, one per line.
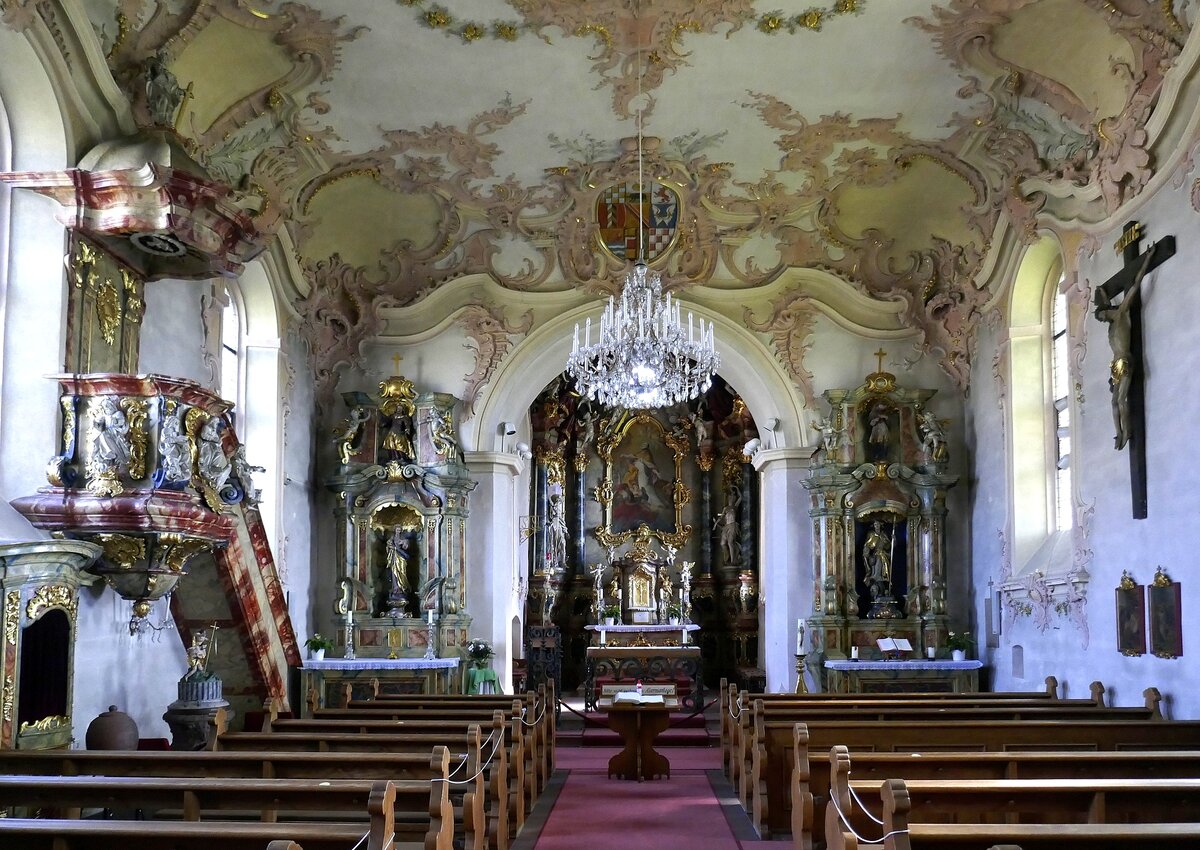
point(642, 482)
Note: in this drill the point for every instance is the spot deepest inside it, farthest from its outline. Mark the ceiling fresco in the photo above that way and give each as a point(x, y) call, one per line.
point(895, 146)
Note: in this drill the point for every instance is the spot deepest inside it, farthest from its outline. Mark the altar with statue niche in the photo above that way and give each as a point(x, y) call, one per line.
point(402, 491)
point(878, 485)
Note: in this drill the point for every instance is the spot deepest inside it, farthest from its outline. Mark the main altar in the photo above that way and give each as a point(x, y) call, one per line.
point(878, 485)
point(643, 516)
point(627, 654)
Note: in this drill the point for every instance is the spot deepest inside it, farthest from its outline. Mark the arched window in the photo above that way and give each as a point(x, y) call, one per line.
point(1040, 415)
point(231, 355)
point(1061, 382)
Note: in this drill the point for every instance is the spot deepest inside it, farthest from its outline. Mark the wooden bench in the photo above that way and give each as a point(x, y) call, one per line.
point(769, 774)
point(522, 785)
point(469, 791)
point(1059, 801)
point(378, 801)
point(539, 717)
point(263, 765)
point(897, 801)
point(733, 705)
point(810, 784)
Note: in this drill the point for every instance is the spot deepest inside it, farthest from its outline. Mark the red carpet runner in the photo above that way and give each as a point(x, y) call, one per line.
point(594, 811)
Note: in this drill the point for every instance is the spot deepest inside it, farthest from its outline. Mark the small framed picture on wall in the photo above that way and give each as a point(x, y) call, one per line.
point(1166, 617)
point(1131, 616)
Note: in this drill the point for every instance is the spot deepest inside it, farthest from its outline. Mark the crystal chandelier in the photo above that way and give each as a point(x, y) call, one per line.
point(643, 358)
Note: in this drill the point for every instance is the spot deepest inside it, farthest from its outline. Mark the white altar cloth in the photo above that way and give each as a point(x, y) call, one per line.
point(381, 664)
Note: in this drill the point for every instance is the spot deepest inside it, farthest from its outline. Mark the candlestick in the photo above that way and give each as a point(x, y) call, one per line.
point(854, 653)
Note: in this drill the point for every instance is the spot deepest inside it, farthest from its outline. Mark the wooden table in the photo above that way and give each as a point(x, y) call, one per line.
point(638, 725)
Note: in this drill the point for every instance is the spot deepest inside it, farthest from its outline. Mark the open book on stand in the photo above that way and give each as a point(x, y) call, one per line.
point(893, 647)
point(634, 698)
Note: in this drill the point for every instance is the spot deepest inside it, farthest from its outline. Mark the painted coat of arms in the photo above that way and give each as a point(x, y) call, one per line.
point(624, 208)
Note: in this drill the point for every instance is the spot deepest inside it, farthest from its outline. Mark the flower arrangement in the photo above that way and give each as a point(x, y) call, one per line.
point(959, 640)
point(674, 609)
point(317, 642)
point(610, 611)
point(479, 650)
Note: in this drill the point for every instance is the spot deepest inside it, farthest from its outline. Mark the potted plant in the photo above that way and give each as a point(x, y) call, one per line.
point(609, 614)
point(317, 645)
point(674, 613)
point(479, 651)
point(958, 643)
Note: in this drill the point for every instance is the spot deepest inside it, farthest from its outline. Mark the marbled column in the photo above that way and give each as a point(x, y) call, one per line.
point(706, 517)
point(580, 567)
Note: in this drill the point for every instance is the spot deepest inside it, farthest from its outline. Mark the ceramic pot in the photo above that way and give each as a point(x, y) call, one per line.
point(610, 621)
point(958, 654)
point(316, 654)
point(112, 730)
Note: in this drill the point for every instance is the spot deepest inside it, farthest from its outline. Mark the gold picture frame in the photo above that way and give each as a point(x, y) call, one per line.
point(633, 490)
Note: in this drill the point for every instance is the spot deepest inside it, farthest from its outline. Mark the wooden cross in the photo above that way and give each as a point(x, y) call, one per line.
point(1124, 319)
point(880, 354)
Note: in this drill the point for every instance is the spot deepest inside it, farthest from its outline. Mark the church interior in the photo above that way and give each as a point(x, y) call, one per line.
point(320, 327)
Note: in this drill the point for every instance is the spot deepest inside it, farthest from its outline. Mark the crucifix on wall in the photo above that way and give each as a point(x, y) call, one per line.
point(1119, 306)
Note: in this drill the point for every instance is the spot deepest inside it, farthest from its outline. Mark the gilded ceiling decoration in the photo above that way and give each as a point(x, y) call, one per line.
point(407, 145)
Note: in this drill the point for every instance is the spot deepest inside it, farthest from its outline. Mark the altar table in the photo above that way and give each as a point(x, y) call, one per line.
point(327, 679)
point(867, 677)
point(650, 652)
point(638, 725)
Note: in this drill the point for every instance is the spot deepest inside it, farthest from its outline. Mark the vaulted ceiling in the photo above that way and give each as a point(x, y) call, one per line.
point(896, 146)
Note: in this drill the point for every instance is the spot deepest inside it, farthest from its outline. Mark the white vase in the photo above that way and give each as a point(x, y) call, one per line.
point(610, 621)
point(674, 621)
point(316, 654)
point(958, 655)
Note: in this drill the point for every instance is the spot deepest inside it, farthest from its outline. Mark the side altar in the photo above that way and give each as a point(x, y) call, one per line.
point(878, 485)
point(898, 677)
point(331, 683)
point(402, 503)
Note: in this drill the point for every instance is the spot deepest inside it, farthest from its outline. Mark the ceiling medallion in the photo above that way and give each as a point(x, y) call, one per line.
point(628, 216)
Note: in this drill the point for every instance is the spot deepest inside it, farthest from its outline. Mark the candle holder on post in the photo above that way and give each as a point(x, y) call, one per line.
point(430, 637)
point(801, 685)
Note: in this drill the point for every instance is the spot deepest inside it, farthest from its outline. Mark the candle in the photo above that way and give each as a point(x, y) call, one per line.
point(800, 636)
point(854, 653)
point(430, 612)
point(930, 652)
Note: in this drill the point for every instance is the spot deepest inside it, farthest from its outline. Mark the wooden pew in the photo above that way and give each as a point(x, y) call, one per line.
point(537, 720)
point(849, 708)
point(521, 785)
point(466, 762)
point(809, 789)
point(540, 714)
point(380, 825)
point(735, 718)
point(522, 759)
point(1059, 801)
point(1093, 834)
point(268, 765)
point(772, 746)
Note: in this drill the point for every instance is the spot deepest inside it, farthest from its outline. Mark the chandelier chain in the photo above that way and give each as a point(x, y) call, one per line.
point(643, 359)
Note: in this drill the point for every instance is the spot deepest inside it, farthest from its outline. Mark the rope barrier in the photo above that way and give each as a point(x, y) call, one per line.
point(865, 810)
point(842, 816)
point(482, 767)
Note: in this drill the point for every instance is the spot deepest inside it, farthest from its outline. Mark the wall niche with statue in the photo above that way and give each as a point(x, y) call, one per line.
point(878, 486)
